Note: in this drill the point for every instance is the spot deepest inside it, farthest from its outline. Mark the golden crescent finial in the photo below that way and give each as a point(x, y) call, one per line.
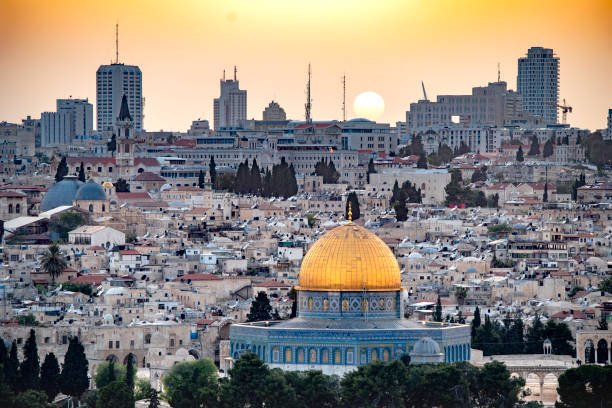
point(350, 213)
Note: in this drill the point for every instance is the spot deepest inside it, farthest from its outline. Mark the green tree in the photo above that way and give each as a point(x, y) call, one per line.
point(375, 384)
point(293, 297)
point(545, 196)
point(49, 376)
point(519, 155)
point(475, 323)
point(65, 223)
point(585, 386)
point(437, 313)
point(62, 170)
point(401, 211)
point(422, 162)
point(29, 370)
point(560, 336)
point(603, 323)
point(27, 320)
point(192, 384)
point(11, 368)
point(32, 399)
point(314, 389)
point(130, 373)
point(153, 399)
point(111, 145)
point(548, 148)
point(212, 170)
point(142, 389)
point(492, 386)
point(534, 337)
point(516, 337)
point(371, 169)
point(201, 181)
point(122, 186)
point(460, 294)
point(73, 379)
point(115, 395)
point(260, 308)
point(534, 149)
point(107, 372)
point(53, 261)
point(354, 202)
point(255, 178)
point(605, 285)
point(82, 173)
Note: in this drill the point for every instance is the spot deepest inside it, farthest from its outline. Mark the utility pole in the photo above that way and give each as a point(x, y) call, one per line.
point(344, 98)
point(308, 105)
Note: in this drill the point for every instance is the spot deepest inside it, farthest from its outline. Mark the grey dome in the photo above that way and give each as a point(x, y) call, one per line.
point(425, 347)
point(471, 269)
point(61, 193)
point(90, 191)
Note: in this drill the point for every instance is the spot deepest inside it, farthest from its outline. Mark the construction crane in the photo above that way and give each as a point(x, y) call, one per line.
point(565, 108)
point(424, 93)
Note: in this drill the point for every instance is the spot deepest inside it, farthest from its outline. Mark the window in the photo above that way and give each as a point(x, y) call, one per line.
point(171, 342)
point(147, 339)
point(309, 303)
point(117, 344)
point(110, 344)
point(10, 208)
point(275, 354)
point(287, 355)
point(337, 356)
point(325, 356)
point(17, 208)
point(300, 355)
point(349, 357)
point(313, 356)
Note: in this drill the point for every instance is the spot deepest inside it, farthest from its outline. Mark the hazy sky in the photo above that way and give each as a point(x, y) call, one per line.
point(52, 49)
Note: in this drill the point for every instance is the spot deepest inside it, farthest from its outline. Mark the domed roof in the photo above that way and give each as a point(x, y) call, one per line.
point(471, 269)
point(414, 255)
point(61, 193)
point(107, 184)
point(349, 258)
point(425, 347)
point(90, 191)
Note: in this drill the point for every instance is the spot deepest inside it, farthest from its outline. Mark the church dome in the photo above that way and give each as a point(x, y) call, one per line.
point(425, 347)
point(61, 193)
point(90, 191)
point(349, 258)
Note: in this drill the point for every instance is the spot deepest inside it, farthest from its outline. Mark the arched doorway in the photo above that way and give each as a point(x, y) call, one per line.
point(194, 353)
point(549, 390)
point(602, 351)
point(589, 352)
point(113, 358)
point(532, 385)
point(134, 359)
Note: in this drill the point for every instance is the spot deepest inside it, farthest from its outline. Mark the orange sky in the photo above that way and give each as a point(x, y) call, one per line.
point(51, 49)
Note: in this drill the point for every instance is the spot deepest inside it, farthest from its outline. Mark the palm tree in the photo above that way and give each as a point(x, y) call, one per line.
point(53, 261)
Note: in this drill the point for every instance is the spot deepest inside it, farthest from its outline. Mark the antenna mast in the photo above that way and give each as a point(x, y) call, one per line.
point(117, 43)
point(235, 73)
point(498, 73)
point(308, 101)
point(344, 98)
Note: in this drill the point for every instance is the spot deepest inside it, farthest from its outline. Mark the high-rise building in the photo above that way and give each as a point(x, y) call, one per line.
point(112, 82)
point(538, 83)
point(55, 129)
point(493, 105)
point(609, 132)
point(81, 114)
point(274, 112)
point(231, 106)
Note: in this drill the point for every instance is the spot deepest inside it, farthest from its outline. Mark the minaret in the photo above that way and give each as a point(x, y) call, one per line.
point(124, 129)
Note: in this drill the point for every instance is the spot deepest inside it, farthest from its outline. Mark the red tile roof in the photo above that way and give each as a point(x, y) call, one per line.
point(76, 161)
point(91, 279)
point(129, 252)
point(133, 196)
point(148, 176)
point(146, 161)
point(566, 313)
point(95, 248)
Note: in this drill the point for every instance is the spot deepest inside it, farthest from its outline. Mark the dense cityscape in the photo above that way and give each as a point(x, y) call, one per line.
point(458, 257)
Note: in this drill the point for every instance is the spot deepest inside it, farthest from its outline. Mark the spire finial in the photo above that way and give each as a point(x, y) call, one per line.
point(350, 212)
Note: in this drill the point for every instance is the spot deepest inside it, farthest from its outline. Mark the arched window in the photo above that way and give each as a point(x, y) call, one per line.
point(103, 207)
point(325, 305)
point(287, 355)
point(309, 303)
point(17, 208)
point(325, 356)
point(345, 305)
point(10, 208)
point(337, 356)
point(313, 356)
point(386, 355)
point(300, 355)
point(275, 354)
point(90, 208)
point(147, 338)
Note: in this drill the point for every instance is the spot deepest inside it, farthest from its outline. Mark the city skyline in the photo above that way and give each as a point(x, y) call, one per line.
point(387, 49)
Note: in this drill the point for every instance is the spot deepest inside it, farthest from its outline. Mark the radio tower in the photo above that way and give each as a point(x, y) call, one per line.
point(308, 105)
point(117, 43)
point(344, 98)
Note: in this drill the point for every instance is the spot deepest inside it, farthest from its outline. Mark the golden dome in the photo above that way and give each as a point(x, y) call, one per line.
point(349, 258)
point(107, 184)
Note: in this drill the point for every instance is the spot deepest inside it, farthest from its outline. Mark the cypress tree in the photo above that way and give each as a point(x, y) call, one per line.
point(475, 323)
point(29, 369)
point(73, 379)
point(255, 178)
point(545, 197)
point(354, 201)
point(533, 339)
point(292, 186)
point(112, 144)
point(11, 368)
point(62, 170)
point(548, 148)
point(437, 314)
point(201, 181)
point(422, 162)
point(4, 356)
point(534, 149)
point(82, 173)
point(371, 169)
point(260, 308)
point(49, 376)
point(519, 154)
point(212, 170)
point(130, 373)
